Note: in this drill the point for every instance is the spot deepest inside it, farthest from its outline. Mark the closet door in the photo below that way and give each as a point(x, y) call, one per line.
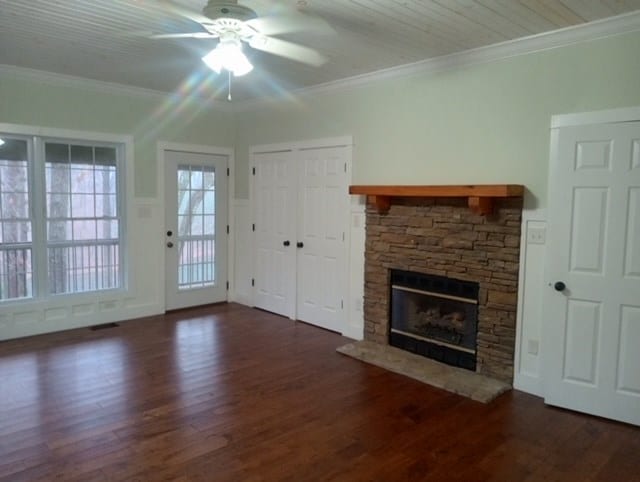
point(275, 230)
point(323, 206)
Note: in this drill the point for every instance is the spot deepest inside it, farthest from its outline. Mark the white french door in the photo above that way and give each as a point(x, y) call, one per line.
point(195, 228)
point(592, 304)
point(323, 204)
point(301, 207)
point(275, 224)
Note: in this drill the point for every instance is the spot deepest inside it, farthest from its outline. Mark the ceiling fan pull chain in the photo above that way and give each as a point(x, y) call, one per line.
point(229, 95)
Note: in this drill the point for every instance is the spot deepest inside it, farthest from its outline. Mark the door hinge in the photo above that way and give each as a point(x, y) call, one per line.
point(342, 304)
point(253, 282)
point(227, 286)
point(345, 167)
point(253, 227)
point(228, 172)
point(227, 229)
point(343, 236)
point(253, 170)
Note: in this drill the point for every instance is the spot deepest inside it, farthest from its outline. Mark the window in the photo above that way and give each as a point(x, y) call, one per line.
point(61, 219)
point(16, 248)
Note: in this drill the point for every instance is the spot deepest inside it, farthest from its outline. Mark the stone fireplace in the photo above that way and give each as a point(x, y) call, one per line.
point(444, 239)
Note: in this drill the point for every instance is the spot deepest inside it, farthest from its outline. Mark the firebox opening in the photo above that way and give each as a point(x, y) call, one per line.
point(434, 316)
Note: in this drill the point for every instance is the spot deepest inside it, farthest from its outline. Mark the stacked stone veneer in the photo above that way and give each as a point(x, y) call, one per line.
point(443, 237)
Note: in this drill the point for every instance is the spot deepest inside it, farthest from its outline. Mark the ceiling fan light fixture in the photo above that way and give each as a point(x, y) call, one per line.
point(228, 55)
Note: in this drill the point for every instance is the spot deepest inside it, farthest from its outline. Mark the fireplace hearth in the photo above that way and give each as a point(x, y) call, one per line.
point(434, 316)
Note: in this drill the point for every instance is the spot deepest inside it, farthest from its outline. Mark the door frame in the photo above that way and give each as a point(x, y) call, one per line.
point(294, 146)
point(161, 149)
point(609, 116)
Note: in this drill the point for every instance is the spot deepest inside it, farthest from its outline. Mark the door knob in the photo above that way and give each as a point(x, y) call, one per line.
point(559, 286)
point(169, 233)
point(286, 243)
point(169, 244)
point(300, 244)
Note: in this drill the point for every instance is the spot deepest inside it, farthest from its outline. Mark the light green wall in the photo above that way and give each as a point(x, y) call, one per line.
point(481, 124)
point(147, 118)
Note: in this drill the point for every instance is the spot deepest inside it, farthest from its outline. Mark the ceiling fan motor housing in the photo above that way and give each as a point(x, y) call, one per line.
point(216, 10)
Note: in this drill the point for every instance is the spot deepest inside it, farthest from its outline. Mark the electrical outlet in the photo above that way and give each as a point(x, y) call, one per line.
point(532, 347)
point(536, 235)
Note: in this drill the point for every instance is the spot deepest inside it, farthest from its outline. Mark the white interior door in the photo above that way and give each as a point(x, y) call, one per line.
point(195, 229)
point(275, 231)
point(323, 207)
point(592, 326)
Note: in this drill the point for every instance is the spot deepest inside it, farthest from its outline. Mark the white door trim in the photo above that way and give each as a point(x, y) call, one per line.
point(625, 114)
point(161, 148)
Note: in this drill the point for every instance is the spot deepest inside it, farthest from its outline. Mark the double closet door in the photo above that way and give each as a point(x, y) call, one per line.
point(301, 206)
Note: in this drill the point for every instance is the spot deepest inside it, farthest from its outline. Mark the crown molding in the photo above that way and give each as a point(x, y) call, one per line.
point(92, 85)
point(608, 27)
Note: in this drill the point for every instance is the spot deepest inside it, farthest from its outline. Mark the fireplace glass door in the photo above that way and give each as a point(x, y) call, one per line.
point(435, 317)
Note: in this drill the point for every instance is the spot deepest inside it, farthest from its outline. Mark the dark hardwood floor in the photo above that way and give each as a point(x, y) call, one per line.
point(228, 393)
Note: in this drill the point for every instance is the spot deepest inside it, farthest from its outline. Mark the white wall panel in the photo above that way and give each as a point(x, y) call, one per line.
point(144, 296)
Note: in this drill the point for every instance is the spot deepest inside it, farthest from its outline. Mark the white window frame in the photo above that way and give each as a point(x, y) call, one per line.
point(36, 137)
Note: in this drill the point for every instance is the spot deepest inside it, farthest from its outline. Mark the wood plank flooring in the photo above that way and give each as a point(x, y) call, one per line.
point(228, 393)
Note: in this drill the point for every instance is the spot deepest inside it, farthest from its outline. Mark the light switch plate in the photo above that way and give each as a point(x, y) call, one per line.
point(536, 235)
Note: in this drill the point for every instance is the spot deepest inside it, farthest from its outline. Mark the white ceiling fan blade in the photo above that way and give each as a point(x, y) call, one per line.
point(288, 23)
point(185, 35)
point(183, 12)
point(289, 50)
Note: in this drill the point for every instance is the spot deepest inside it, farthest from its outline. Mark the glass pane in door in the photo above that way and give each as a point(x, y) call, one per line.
point(196, 226)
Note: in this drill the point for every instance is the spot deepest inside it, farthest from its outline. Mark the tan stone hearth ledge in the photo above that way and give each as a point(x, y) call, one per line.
point(457, 380)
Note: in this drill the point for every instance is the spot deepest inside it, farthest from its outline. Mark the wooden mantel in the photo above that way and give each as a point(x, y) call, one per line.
point(480, 196)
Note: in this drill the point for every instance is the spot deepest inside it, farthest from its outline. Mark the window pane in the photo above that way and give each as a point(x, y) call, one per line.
point(107, 229)
point(13, 150)
point(82, 155)
point(196, 226)
point(57, 178)
point(105, 156)
point(56, 153)
point(58, 206)
point(209, 202)
point(59, 231)
point(209, 225)
point(184, 200)
point(82, 206)
point(16, 273)
point(84, 230)
point(15, 205)
point(14, 176)
point(82, 180)
point(105, 180)
point(196, 179)
point(15, 232)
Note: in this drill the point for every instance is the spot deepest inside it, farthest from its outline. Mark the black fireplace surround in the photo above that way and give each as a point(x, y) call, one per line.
point(434, 316)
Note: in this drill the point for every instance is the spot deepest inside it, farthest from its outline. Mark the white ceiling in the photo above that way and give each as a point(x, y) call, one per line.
point(107, 39)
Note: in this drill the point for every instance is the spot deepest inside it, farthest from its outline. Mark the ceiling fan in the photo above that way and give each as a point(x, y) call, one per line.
point(234, 24)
